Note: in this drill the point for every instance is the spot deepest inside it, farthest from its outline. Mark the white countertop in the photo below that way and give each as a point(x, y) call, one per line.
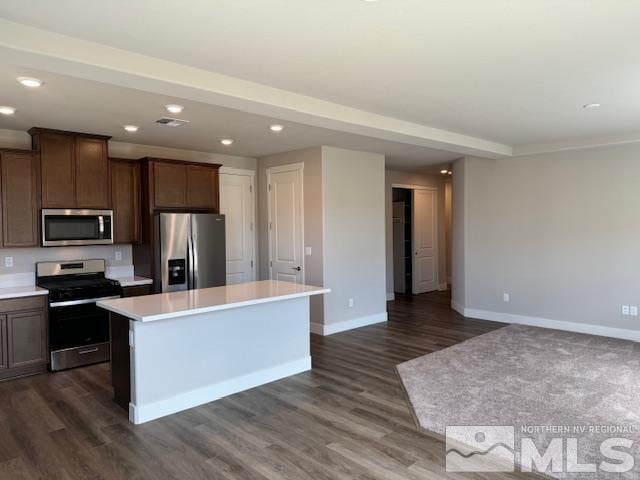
point(131, 280)
point(25, 291)
point(162, 306)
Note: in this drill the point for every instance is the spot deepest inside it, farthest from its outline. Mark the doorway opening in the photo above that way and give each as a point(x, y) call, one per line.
point(402, 233)
point(420, 235)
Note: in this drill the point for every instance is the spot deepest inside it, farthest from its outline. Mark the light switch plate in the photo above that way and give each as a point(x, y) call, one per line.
point(633, 310)
point(118, 255)
point(506, 297)
point(625, 310)
point(8, 262)
point(307, 251)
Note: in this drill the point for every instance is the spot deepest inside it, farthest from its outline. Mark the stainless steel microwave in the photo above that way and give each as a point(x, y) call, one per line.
point(63, 227)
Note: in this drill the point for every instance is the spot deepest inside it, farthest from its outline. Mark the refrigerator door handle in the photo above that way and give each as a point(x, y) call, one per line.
point(193, 249)
point(190, 260)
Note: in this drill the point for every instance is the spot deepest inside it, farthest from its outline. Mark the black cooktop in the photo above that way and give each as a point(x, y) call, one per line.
point(79, 287)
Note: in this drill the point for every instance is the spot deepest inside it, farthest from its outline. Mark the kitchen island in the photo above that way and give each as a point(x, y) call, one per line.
point(174, 351)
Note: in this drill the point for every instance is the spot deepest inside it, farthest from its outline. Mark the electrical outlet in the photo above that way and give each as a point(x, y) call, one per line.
point(625, 310)
point(118, 255)
point(633, 310)
point(506, 297)
point(8, 262)
point(350, 302)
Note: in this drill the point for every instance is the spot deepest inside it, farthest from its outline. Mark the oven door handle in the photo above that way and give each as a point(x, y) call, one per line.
point(81, 302)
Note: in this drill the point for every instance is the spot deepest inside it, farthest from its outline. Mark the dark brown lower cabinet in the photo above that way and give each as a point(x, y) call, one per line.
point(23, 336)
point(120, 361)
point(137, 290)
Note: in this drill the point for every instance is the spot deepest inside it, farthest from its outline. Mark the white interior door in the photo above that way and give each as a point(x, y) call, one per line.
point(425, 254)
point(237, 204)
point(286, 223)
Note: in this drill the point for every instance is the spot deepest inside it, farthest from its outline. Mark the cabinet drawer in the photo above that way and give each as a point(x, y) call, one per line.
point(137, 290)
point(79, 356)
point(26, 303)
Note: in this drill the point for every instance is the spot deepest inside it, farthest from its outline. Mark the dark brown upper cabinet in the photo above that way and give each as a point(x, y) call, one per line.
point(19, 171)
point(92, 173)
point(125, 200)
point(170, 185)
point(74, 169)
point(179, 185)
point(202, 187)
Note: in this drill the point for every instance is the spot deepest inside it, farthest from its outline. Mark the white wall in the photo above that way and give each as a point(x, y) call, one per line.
point(344, 225)
point(393, 177)
point(458, 237)
point(25, 259)
point(558, 232)
point(354, 236)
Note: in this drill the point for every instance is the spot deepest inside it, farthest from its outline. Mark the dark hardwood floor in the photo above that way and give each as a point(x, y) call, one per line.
point(346, 419)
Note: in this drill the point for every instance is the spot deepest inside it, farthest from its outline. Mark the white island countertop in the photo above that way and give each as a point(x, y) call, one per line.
point(162, 306)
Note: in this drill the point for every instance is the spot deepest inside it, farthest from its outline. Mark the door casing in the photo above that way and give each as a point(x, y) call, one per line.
point(269, 172)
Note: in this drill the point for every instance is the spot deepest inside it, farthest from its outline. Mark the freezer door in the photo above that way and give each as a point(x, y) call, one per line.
point(175, 231)
point(208, 250)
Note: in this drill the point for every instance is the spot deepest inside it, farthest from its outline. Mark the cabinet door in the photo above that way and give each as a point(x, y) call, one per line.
point(19, 199)
point(3, 343)
point(26, 338)
point(125, 201)
point(137, 291)
point(170, 185)
point(58, 170)
point(92, 173)
point(202, 183)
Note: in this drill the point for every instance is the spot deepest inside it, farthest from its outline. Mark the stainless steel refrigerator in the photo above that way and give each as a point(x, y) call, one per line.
point(192, 251)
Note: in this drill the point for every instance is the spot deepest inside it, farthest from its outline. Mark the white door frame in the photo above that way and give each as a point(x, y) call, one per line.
point(252, 174)
point(436, 219)
point(286, 168)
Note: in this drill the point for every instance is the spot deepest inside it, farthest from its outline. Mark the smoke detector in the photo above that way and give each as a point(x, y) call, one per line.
point(172, 122)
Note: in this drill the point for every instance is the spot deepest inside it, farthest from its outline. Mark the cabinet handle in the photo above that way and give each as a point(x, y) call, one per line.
point(89, 350)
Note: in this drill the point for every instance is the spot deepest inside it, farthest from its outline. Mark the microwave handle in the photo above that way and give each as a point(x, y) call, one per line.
point(101, 224)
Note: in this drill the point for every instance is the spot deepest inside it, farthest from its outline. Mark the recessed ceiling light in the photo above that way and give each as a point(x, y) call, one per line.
point(450, 172)
point(226, 141)
point(4, 110)
point(173, 108)
point(444, 172)
point(591, 105)
point(276, 128)
point(131, 128)
point(30, 82)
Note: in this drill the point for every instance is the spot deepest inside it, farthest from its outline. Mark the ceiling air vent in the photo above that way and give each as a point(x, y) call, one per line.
point(172, 122)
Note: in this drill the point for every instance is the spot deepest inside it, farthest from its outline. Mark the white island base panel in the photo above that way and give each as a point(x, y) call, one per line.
point(180, 363)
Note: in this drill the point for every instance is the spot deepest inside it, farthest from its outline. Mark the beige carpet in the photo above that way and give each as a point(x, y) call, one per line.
point(526, 377)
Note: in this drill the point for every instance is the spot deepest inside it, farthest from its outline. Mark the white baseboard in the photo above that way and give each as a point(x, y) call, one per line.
point(331, 328)
point(458, 308)
point(442, 287)
point(622, 333)
point(145, 413)
point(391, 296)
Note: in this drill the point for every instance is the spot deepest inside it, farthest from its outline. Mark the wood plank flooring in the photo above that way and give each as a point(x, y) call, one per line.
point(346, 419)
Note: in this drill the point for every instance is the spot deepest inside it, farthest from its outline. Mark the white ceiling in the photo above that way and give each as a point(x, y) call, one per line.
point(68, 103)
point(513, 72)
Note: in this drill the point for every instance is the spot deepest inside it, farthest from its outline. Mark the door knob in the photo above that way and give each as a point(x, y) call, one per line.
point(296, 268)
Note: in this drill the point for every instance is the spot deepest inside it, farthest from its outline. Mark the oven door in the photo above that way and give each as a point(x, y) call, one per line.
point(78, 335)
point(62, 227)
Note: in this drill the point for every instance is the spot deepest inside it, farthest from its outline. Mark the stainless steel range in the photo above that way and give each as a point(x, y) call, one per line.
point(78, 329)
